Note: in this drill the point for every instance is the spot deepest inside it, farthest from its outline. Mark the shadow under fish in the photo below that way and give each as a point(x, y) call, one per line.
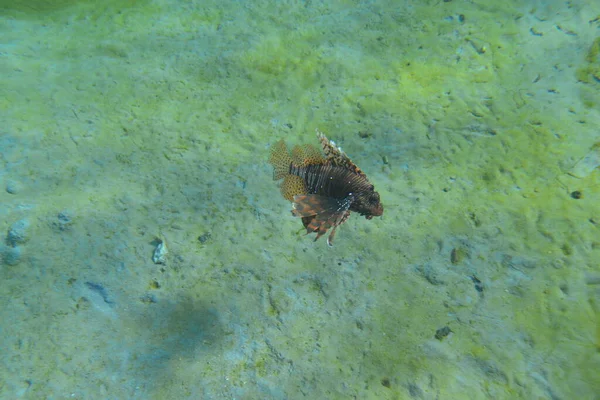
point(324, 187)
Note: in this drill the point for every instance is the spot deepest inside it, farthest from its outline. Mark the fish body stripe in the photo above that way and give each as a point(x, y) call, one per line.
point(329, 180)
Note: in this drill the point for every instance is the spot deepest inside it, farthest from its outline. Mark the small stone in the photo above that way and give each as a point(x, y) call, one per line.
point(11, 255)
point(154, 284)
point(13, 187)
point(17, 233)
point(160, 252)
point(457, 255)
point(204, 237)
point(442, 332)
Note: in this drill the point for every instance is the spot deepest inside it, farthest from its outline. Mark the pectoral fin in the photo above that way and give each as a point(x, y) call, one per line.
point(321, 213)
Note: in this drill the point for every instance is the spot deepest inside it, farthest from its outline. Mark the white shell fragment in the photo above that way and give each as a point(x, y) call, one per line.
point(160, 252)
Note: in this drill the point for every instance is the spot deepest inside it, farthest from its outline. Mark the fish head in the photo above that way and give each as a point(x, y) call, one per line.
point(368, 203)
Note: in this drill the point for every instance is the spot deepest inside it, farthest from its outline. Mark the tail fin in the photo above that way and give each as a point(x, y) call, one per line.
point(280, 159)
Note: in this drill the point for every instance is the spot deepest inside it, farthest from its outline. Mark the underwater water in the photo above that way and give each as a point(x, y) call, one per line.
point(147, 252)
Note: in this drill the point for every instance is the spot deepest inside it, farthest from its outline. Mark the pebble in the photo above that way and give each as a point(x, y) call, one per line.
point(204, 237)
point(11, 255)
point(17, 233)
point(442, 332)
point(13, 187)
point(160, 252)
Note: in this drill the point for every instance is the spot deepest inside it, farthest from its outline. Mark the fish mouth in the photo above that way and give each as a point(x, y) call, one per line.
point(377, 211)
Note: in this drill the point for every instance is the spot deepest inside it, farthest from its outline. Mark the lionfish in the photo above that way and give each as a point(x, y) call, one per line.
point(323, 188)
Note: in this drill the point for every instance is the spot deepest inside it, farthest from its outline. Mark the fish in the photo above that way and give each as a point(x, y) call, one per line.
point(324, 186)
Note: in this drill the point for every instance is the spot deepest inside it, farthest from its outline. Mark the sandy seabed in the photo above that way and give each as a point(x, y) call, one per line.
point(135, 123)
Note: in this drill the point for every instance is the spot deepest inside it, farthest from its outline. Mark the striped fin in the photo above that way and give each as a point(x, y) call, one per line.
point(321, 213)
point(336, 155)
